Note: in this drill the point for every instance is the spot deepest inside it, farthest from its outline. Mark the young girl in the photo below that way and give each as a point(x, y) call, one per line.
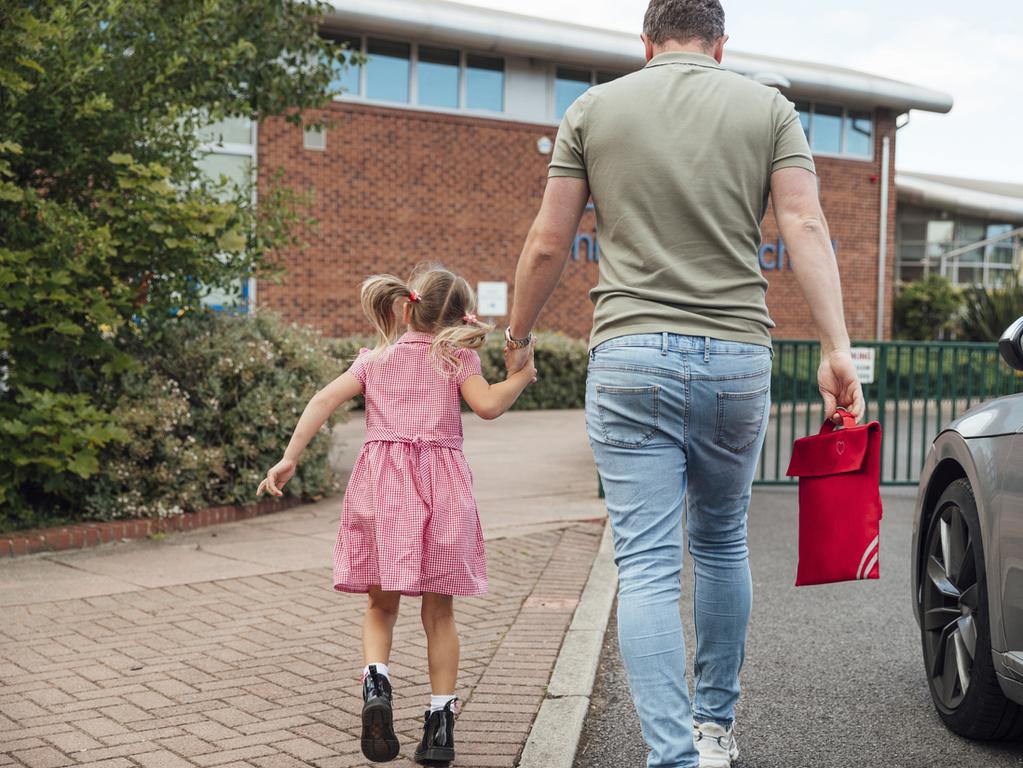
point(409, 524)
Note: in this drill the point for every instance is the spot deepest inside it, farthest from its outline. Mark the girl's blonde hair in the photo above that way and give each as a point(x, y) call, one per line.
point(442, 305)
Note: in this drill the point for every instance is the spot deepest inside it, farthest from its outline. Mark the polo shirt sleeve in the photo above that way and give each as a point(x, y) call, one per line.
point(567, 158)
point(791, 150)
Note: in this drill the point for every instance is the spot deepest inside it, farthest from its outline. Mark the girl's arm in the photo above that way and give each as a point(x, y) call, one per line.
point(488, 401)
point(324, 403)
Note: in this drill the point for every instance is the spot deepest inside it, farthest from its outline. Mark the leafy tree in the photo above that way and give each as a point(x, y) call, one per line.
point(107, 226)
point(927, 309)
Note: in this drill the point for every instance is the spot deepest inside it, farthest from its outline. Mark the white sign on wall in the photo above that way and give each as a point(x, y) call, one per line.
point(863, 359)
point(492, 299)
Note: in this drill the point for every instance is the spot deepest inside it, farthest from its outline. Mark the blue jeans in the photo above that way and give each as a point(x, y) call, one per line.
point(674, 418)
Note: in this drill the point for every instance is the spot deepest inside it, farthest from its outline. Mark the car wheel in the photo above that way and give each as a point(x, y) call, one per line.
point(955, 630)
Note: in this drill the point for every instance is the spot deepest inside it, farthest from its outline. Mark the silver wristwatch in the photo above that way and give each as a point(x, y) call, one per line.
point(513, 343)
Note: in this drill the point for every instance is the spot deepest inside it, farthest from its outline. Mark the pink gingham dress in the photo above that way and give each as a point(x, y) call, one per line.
point(409, 522)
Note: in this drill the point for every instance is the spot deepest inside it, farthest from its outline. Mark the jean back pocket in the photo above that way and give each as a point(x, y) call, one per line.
point(741, 417)
point(628, 415)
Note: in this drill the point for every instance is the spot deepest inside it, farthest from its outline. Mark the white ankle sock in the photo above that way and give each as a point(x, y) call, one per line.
point(437, 703)
point(381, 670)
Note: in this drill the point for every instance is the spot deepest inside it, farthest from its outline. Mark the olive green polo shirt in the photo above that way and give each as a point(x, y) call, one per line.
point(678, 157)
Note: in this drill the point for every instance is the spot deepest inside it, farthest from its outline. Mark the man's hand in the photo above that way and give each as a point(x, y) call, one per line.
point(839, 385)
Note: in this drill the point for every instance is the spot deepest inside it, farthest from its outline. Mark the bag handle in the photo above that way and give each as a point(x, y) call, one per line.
point(848, 420)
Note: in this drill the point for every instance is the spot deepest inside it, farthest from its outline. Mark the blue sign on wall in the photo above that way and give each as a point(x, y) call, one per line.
point(772, 256)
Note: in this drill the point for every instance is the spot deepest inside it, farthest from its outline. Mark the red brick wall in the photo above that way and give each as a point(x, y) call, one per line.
point(396, 187)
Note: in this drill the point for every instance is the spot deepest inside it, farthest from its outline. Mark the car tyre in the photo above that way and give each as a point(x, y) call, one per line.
point(955, 625)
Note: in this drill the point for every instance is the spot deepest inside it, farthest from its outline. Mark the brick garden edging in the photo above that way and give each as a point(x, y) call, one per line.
point(82, 535)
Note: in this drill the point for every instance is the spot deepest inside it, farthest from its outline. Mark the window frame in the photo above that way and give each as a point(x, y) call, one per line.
point(552, 84)
point(413, 95)
point(842, 153)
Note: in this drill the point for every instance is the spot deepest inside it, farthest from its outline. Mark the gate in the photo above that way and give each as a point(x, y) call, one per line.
point(918, 388)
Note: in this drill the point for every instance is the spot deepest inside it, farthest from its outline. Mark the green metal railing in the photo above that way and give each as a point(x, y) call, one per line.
point(918, 387)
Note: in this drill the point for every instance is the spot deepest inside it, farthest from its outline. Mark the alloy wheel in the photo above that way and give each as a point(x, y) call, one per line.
point(950, 599)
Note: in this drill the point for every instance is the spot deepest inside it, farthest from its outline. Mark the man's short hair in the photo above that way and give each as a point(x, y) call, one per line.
point(684, 20)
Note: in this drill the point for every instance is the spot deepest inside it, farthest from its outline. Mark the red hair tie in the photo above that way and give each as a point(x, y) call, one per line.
point(469, 318)
point(414, 297)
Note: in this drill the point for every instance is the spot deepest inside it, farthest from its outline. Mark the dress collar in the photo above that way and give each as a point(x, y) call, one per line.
point(683, 57)
point(415, 337)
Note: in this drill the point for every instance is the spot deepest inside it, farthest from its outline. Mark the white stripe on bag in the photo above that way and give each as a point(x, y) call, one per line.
point(870, 565)
point(866, 553)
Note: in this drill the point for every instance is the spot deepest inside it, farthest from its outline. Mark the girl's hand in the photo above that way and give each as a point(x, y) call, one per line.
point(530, 366)
point(276, 477)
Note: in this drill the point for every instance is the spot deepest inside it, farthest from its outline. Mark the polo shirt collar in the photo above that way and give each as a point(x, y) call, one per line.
point(415, 337)
point(683, 57)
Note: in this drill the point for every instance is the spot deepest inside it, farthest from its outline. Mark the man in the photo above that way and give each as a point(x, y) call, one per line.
point(680, 159)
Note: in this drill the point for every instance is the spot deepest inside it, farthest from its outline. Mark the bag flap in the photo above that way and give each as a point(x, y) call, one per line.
point(830, 453)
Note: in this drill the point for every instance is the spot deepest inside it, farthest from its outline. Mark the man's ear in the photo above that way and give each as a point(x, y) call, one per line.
point(648, 47)
point(719, 48)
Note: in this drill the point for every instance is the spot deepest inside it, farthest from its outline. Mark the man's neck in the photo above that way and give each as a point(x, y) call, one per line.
point(674, 46)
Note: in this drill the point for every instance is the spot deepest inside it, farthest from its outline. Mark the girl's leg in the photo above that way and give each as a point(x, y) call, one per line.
point(378, 626)
point(438, 616)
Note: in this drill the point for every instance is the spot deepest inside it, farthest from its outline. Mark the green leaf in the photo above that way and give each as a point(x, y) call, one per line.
point(120, 158)
point(232, 241)
point(84, 464)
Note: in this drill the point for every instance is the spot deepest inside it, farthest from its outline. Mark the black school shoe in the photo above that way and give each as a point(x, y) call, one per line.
point(438, 744)
point(379, 744)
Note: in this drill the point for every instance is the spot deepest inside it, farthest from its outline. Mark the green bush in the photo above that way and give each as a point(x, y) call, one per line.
point(212, 407)
point(989, 311)
point(561, 371)
point(926, 310)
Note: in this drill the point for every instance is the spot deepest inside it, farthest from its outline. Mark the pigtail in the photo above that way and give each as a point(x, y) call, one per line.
point(379, 295)
point(470, 334)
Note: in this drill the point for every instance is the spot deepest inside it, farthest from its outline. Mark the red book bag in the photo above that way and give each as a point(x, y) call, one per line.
point(839, 473)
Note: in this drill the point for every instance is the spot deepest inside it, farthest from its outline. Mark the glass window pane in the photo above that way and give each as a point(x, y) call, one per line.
point(912, 229)
point(859, 134)
point(437, 77)
point(970, 231)
point(387, 71)
point(569, 85)
point(237, 169)
point(940, 231)
point(910, 272)
point(231, 130)
point(346, 76)
point(607, 77)
point(827, 129)
point(803, 108)
point(484, 83)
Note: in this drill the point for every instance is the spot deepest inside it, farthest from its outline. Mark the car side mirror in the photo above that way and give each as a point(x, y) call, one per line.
point(1011, 345)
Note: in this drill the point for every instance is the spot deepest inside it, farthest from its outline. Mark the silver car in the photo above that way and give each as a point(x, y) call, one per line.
point(968, 565)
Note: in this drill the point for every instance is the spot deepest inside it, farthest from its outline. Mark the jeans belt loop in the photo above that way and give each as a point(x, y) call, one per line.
point(706, 349)
point(664, 343)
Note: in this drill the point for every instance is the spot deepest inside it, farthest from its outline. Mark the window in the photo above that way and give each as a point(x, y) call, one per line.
point(346, 75)
point(484, 83)
point(859, 134)
point(569, 85)
point(437, 77)
point(826, 132)
point(607, 77)
point(834, 130)
point(387, 71)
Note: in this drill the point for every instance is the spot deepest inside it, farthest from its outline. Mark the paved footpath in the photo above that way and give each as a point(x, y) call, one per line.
point(228, 647)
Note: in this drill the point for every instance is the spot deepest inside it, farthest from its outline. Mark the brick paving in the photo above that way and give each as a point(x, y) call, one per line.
point(262, 671)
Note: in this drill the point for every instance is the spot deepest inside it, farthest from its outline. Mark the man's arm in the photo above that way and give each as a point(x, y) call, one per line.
point(545, 254)
point(805, 233)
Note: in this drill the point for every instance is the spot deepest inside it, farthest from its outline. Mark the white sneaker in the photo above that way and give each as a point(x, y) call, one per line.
point(716, 746)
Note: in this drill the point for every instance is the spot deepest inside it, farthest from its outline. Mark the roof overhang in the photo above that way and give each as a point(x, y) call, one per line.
point(510, 34)
point(931, 193)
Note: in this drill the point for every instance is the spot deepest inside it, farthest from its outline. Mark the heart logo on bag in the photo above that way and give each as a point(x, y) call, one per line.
point(840, 447)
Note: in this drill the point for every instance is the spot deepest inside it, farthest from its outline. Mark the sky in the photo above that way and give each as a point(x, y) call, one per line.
point(970, 50)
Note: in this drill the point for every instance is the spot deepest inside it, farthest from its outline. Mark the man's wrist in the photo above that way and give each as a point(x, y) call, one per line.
point(512, 341)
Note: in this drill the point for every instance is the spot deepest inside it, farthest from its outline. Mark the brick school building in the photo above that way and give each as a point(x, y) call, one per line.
point(438, 151)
